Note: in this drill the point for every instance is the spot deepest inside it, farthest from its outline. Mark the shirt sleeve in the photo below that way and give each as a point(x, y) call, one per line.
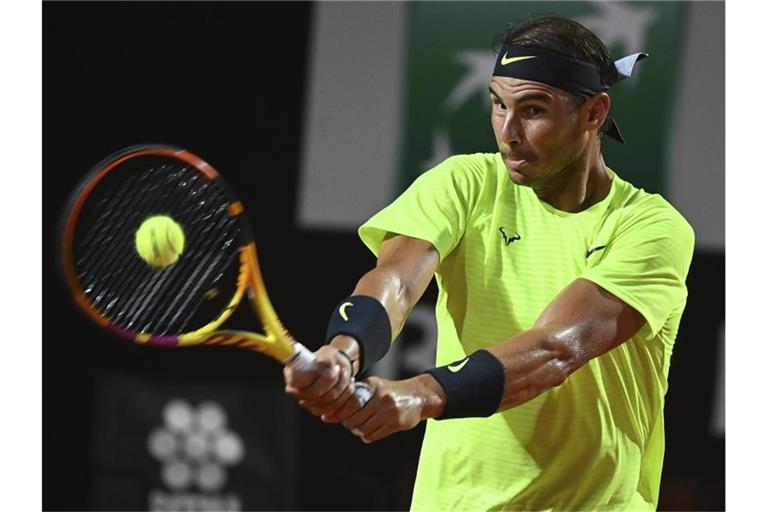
point(645, 261)
point(434, 208)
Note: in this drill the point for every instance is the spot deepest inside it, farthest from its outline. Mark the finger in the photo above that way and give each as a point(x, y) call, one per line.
point(297, 393)
point(350, 406)
point(362, 414)
point(355, 411)
point(342, 407)
point(343, 384)
point(373, 423)
point(294, 392)
point(299, 380)
point(337, 398)
point(327, 378)
point(334, 398)
point(379, 433)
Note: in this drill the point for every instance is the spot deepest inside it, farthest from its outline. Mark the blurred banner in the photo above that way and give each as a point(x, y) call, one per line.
point(449, 63)
point(414, 91)
point(192, 444)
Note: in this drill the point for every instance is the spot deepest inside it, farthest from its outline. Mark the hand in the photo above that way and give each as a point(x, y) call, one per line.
point(325, 387)
point(395, 406)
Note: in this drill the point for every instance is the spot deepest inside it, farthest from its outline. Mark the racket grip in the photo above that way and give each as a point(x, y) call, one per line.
point(363, 392)
point(304, 360)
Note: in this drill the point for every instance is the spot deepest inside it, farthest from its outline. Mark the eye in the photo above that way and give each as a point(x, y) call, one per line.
point(497, 104)
point(533, 110)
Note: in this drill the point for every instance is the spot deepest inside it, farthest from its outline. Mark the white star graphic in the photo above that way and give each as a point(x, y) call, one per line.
point(618, 23)
point(479, 68)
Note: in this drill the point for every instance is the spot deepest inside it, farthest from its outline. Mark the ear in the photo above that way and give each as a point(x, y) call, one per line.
point(596, 111)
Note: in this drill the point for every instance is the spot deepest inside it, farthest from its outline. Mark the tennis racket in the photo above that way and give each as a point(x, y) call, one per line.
point(184, 302)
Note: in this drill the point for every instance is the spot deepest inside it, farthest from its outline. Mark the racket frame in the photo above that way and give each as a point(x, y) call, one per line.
point(275, 342)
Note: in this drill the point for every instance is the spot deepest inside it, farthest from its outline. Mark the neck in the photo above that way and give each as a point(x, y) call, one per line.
point(579, 185)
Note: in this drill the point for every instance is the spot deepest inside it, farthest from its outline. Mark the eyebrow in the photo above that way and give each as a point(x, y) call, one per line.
point(527, 96)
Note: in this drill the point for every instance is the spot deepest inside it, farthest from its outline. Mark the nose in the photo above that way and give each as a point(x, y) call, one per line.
point(510, 130)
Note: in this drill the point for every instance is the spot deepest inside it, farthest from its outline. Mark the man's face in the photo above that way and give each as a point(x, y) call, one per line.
point(537, 129)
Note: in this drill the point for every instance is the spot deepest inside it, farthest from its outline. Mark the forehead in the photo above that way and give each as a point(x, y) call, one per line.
point(511, 88)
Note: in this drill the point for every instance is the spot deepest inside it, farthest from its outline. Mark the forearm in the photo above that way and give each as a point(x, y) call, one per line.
point(582, 323)
point(534, 361)
point(386, 285)
point(404, 268)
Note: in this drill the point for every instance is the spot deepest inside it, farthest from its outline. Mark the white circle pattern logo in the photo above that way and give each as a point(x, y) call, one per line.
point(194, 446)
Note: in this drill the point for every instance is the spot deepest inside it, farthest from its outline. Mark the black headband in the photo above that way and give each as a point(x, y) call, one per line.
point(558, 70)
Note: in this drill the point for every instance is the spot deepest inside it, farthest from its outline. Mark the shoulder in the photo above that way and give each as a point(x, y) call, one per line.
point(459, 176)
point(649, 226)
point(465, 168)
point(468, 173)
point(654, 213)
point(639, 209)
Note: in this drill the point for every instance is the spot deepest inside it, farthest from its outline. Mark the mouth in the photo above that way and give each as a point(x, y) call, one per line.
point(515, 162)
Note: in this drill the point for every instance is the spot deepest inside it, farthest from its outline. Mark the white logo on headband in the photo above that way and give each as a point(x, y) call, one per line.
point(509, 60)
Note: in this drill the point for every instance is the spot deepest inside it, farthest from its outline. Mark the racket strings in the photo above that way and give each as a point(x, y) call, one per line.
point(212, 248)
point(183, 279)
point(109, 242)
point(210, 261)
point(218, 248)
point(104, 240)
point(149, 292)
point(108, 253)
point(161, 286)
point(124, 287)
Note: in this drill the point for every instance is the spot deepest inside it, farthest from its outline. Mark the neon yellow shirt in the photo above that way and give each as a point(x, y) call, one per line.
point(597, 441)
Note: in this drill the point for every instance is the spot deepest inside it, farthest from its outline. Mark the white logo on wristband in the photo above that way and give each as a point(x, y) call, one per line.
point(343, 310)
point(458, 366)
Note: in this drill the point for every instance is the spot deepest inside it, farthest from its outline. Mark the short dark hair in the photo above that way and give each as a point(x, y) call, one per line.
point(567, 37)
point(564, 36)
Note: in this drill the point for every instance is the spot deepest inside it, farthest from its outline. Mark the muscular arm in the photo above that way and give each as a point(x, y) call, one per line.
point(403, 271)
point(404, 268)
point(581, 323)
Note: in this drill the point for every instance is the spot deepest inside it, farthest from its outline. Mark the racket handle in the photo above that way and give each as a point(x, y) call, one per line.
point(304, 360)
point(363, 392)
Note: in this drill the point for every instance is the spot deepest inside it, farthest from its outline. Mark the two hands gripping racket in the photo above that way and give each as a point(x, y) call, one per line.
point(156, 248)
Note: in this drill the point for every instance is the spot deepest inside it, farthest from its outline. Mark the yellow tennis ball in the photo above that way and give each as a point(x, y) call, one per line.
point(160, 241)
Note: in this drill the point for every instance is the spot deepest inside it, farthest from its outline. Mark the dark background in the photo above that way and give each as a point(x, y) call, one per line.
point(226, 80)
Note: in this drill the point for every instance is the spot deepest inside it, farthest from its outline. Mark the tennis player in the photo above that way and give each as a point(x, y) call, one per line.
point(561, 288)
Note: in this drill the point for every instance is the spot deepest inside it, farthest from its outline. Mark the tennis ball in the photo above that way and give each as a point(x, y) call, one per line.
point(160, 241)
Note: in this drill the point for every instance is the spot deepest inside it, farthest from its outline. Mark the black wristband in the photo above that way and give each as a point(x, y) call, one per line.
point(366, 320)
point(473, 386)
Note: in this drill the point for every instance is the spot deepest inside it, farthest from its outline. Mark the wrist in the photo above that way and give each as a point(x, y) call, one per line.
point(432, 394)
point(473, 387)
point(364, 319)
point(350, 348)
